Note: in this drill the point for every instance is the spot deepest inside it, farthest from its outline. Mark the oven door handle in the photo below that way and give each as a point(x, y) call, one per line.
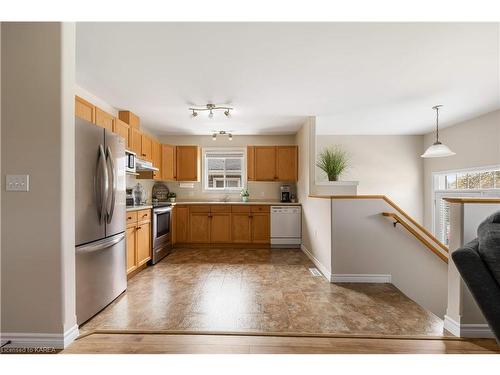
point(162, 210)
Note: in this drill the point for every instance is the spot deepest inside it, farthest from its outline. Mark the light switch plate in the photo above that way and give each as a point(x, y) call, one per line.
point(17, 182)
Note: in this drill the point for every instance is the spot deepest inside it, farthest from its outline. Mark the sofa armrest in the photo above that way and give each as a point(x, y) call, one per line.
point(480, 282)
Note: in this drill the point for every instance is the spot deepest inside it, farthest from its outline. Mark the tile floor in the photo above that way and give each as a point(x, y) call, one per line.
point(258, 290)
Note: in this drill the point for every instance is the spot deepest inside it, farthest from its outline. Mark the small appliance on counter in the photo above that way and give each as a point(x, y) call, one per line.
point(139, 194)
point(285, 196)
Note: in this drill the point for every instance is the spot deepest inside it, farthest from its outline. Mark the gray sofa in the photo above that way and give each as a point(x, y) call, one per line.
point(479, 265)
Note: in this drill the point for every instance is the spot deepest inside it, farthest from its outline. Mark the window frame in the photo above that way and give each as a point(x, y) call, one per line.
point(439, 191)
point(204, 168)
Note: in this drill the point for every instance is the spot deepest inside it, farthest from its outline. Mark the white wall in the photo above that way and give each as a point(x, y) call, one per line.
point(383, 164)
point(38, 234)
point(476, 143)
point(366, 243)
point(316, 212)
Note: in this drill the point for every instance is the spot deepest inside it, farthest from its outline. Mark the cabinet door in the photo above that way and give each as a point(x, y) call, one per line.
point(146, 148)
point(260, 228)
point(220, 227)
point(143, 242)
point(265, 163)
point(130, 118)
point(199, 227)
point(187, 160)
point(121, 128)
point(134, 141)
point(168, 162)
point(131, 248)
point(286, 163)
point(250, 163)
point(156, 156)
point(84, 109)
point(103, 119)
point(181, 217)
point(241, 227)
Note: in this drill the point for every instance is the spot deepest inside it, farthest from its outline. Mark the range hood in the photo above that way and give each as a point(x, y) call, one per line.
point(144, 165)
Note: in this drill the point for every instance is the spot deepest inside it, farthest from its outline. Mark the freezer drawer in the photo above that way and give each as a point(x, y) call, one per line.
point(100, 275)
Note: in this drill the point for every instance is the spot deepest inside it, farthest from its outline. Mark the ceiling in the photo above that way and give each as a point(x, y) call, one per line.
point(366, 78)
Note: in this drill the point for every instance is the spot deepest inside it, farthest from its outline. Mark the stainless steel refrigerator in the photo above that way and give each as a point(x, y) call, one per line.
point(100, 218)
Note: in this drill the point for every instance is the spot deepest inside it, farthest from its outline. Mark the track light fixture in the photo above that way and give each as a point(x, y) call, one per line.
point(215, 133)
point(210, 108)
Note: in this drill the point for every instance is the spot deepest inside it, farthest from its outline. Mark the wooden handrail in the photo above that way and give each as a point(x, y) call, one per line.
point(472, 200)
point(393, 205)
point(418, 236)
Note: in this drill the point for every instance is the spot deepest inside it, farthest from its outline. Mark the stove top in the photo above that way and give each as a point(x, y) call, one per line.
point(162, 204)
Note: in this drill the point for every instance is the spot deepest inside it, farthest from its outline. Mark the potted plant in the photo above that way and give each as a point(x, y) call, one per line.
point(171, 196)
point(244, 195)
point(333, 161)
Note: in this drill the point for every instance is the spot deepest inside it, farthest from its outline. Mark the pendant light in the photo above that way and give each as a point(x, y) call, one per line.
point(437, 150)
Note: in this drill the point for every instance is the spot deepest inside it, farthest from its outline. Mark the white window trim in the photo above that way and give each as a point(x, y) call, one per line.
point(457, 192)
point(205, 174)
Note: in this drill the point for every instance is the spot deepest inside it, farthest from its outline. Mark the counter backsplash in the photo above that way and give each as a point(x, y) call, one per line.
point(257, 190)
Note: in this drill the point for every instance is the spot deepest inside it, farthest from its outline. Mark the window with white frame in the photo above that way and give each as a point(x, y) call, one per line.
point(477, 182)
point(224, 170)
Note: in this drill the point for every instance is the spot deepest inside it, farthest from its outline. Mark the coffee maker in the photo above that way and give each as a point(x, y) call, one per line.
point(285, 193)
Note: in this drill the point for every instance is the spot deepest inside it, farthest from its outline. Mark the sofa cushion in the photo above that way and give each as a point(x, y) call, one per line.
point(489, 244)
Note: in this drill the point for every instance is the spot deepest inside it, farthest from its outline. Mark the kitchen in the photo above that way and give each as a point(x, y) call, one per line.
point(175, 195)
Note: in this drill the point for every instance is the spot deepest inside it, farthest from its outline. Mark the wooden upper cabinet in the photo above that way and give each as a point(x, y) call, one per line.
point(146, 148)
point(84, 109)
point(104, 119)
point(121, 128)
point(286, 163)
point(168, 166)
point(130, 118)
point(265, 163)
point(250, 163)
point(187, 163)
point(135, 140)
point(272, 163)
point(156, 159)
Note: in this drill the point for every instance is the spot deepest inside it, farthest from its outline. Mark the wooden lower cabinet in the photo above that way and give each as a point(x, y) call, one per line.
point(199, 227)
point(241, 227)
point(143, 242)
point(261, 228)
point(220, 227)
point(131, 248)
point(221, 224)
point(138, 239)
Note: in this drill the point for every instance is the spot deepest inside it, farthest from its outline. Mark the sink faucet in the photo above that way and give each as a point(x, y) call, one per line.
point(225, 198)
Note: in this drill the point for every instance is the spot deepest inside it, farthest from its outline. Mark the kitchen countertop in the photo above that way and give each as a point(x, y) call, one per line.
point(267, 203)
point(137, 208)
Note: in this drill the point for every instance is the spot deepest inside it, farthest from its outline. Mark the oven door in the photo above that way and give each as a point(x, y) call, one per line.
point(162, 226)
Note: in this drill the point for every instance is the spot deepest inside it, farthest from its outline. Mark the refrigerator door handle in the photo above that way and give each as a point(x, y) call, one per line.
point(102, 184)
point(112, 176)
point(100, 245)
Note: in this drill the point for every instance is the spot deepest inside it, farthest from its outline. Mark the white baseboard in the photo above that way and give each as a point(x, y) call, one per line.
point(316, 262)
point(467, 330)
point(360, 278)
point(36, 340)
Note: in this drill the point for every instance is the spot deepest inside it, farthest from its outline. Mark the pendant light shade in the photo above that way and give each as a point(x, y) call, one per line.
point(437, 150)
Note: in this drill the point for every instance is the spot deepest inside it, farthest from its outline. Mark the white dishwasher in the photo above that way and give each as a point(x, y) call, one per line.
point(286, 226)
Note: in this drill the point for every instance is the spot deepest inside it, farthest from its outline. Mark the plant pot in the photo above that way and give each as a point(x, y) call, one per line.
point(333, 178)
point(172, 200)
point(244, 199)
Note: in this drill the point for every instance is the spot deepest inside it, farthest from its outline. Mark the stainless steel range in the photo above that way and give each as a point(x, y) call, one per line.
point(161, 231)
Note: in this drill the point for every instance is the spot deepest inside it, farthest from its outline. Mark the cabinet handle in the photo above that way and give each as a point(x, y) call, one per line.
point(143, 154)
point(129, 218)
point(139, 228)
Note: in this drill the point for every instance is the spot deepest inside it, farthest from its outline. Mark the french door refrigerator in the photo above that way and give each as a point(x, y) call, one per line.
point(100, 218)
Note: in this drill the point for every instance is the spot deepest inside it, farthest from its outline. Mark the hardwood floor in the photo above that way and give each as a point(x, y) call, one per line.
point(244, 344)
point(258, 291)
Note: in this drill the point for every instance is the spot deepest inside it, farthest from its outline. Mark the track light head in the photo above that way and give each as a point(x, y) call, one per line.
point(227, 113)
point(214, 137)
point(230, 136)
point(211, 114)
point(194, 113)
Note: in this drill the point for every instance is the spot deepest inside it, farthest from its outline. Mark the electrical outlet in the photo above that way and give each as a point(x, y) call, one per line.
point(17, 182)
